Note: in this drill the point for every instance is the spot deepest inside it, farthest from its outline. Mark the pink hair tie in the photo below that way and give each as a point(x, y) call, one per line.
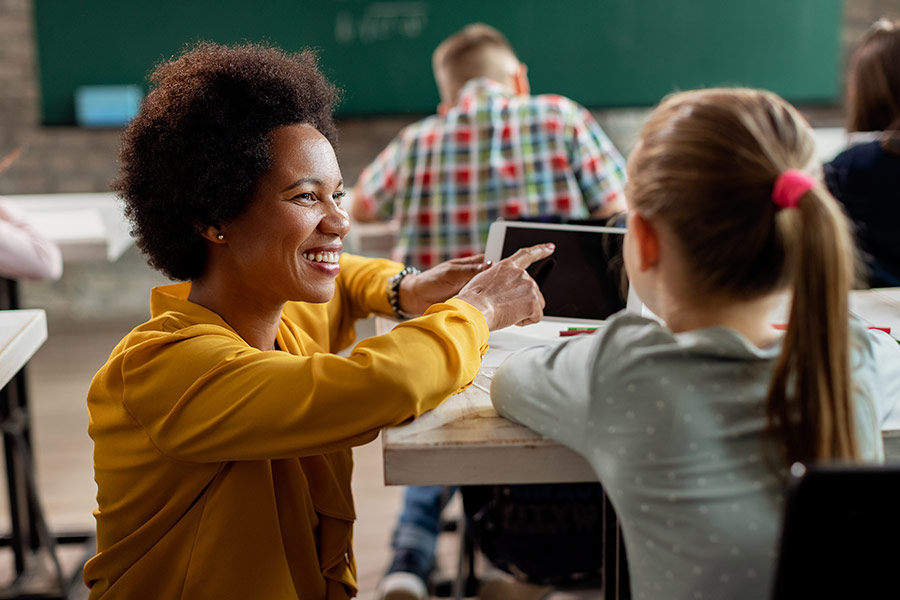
point(790, 186)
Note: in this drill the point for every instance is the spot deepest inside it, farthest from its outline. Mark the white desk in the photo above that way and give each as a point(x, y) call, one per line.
point(86, 227)
point(465, 441)
point(879, 308)
point(830, 141)
point(22, 332)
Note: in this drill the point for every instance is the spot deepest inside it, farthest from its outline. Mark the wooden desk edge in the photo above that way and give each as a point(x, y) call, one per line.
point(472, 465)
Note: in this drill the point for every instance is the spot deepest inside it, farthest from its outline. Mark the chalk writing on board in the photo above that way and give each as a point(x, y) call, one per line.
point(381, 21)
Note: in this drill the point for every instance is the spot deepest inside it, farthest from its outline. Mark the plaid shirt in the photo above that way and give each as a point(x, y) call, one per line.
point(448, 177)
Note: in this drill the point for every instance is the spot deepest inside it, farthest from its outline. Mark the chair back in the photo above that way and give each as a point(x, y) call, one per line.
point(841, 534)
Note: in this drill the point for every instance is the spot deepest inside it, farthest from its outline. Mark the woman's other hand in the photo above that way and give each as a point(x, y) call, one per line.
point(505, 293)
point(418, 292)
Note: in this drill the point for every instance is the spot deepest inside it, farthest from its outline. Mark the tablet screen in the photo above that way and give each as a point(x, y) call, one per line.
point(584, 278)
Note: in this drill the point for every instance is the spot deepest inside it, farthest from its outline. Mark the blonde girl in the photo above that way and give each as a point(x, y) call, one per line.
point(691, 423)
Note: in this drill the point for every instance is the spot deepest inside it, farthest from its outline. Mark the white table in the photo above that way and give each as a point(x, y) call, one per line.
point(878, 307)
point(22, 332)
point(465, 441)
point(830, 141)
point(86, 227)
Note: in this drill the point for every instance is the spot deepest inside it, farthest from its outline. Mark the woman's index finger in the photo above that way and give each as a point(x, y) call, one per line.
point(526, 256)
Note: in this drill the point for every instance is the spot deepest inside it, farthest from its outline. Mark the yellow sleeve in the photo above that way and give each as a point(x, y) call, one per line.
point(202, 395)
point(362, 285)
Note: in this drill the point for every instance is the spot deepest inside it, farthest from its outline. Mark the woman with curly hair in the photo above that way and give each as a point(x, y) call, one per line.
point(866, 176)
point(223, 425)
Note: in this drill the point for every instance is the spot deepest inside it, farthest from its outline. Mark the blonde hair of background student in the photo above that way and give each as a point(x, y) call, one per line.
point(747, 248)
point(478, 50)
point(873, 83)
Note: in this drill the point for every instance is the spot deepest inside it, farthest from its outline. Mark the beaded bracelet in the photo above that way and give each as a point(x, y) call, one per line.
point(393, 292)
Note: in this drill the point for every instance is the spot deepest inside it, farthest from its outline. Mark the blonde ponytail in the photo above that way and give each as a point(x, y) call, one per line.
point(809, 404)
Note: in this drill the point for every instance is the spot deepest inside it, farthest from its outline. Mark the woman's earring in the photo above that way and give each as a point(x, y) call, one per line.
point(220, 237)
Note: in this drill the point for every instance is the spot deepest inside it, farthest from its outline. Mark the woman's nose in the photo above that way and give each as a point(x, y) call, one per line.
point(336, 220)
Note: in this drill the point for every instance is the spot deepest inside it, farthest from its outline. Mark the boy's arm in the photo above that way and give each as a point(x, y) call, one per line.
point(375, 192)
point(598, 166)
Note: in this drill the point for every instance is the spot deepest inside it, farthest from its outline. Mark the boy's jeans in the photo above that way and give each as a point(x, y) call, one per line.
point(415, 535)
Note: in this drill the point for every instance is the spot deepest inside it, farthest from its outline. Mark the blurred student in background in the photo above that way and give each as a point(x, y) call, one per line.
point(866, 177)
point(24, 252)
point(493, 150)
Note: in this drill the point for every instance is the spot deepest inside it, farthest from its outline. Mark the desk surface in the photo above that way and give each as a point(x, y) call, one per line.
point(465, 441)
point(22, 332)
point(830, 141)
point(86, 227)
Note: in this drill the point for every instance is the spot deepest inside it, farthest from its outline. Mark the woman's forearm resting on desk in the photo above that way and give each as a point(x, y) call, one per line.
point(231, 402)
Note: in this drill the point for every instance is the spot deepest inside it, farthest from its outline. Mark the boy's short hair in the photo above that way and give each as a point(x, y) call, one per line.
point(478, 50)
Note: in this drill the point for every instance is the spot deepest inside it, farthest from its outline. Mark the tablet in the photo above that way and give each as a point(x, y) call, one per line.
point(584, 279)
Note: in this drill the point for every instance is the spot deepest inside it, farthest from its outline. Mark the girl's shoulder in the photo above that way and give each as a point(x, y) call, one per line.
point(630, 332)
point(636, 325)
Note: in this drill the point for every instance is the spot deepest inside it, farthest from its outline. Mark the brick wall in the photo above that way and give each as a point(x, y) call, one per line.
point(71, 159)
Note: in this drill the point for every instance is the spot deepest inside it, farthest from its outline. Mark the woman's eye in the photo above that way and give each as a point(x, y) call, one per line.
point(338, 196)
point(306, 197)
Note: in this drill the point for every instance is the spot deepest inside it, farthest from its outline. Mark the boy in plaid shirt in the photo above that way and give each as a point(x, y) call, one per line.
point(492, 151)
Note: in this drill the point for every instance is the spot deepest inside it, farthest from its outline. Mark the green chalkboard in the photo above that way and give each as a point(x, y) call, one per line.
point(602, 53)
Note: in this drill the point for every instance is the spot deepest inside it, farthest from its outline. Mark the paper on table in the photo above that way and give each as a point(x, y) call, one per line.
point(511, 339)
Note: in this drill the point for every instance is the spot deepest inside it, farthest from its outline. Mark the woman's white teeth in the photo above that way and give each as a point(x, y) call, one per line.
point(326, 257)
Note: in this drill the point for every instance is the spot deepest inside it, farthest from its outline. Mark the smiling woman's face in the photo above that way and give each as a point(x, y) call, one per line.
point(286, 245)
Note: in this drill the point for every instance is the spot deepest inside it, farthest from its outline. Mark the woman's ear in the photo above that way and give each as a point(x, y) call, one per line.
point(646, 238)
point(212, 233)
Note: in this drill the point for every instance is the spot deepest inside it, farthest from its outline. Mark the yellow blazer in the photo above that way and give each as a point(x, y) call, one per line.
point(223, 471)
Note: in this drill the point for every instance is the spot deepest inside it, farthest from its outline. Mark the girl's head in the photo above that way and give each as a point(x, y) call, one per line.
point(704, 170)
point(704, 167)
point(873, 82)
point(203, 138)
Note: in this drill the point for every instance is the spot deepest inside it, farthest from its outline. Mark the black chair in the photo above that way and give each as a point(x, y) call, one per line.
point(840, 532)
point(578, 547)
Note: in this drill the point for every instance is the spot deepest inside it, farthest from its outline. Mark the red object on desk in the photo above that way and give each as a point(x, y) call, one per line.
point(569, 332)
point(884, 329)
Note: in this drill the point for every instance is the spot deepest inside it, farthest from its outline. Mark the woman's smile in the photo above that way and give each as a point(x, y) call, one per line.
point(287, 243)
point(325, 260)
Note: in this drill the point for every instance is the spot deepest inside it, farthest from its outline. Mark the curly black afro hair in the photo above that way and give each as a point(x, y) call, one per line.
point(191, 156)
